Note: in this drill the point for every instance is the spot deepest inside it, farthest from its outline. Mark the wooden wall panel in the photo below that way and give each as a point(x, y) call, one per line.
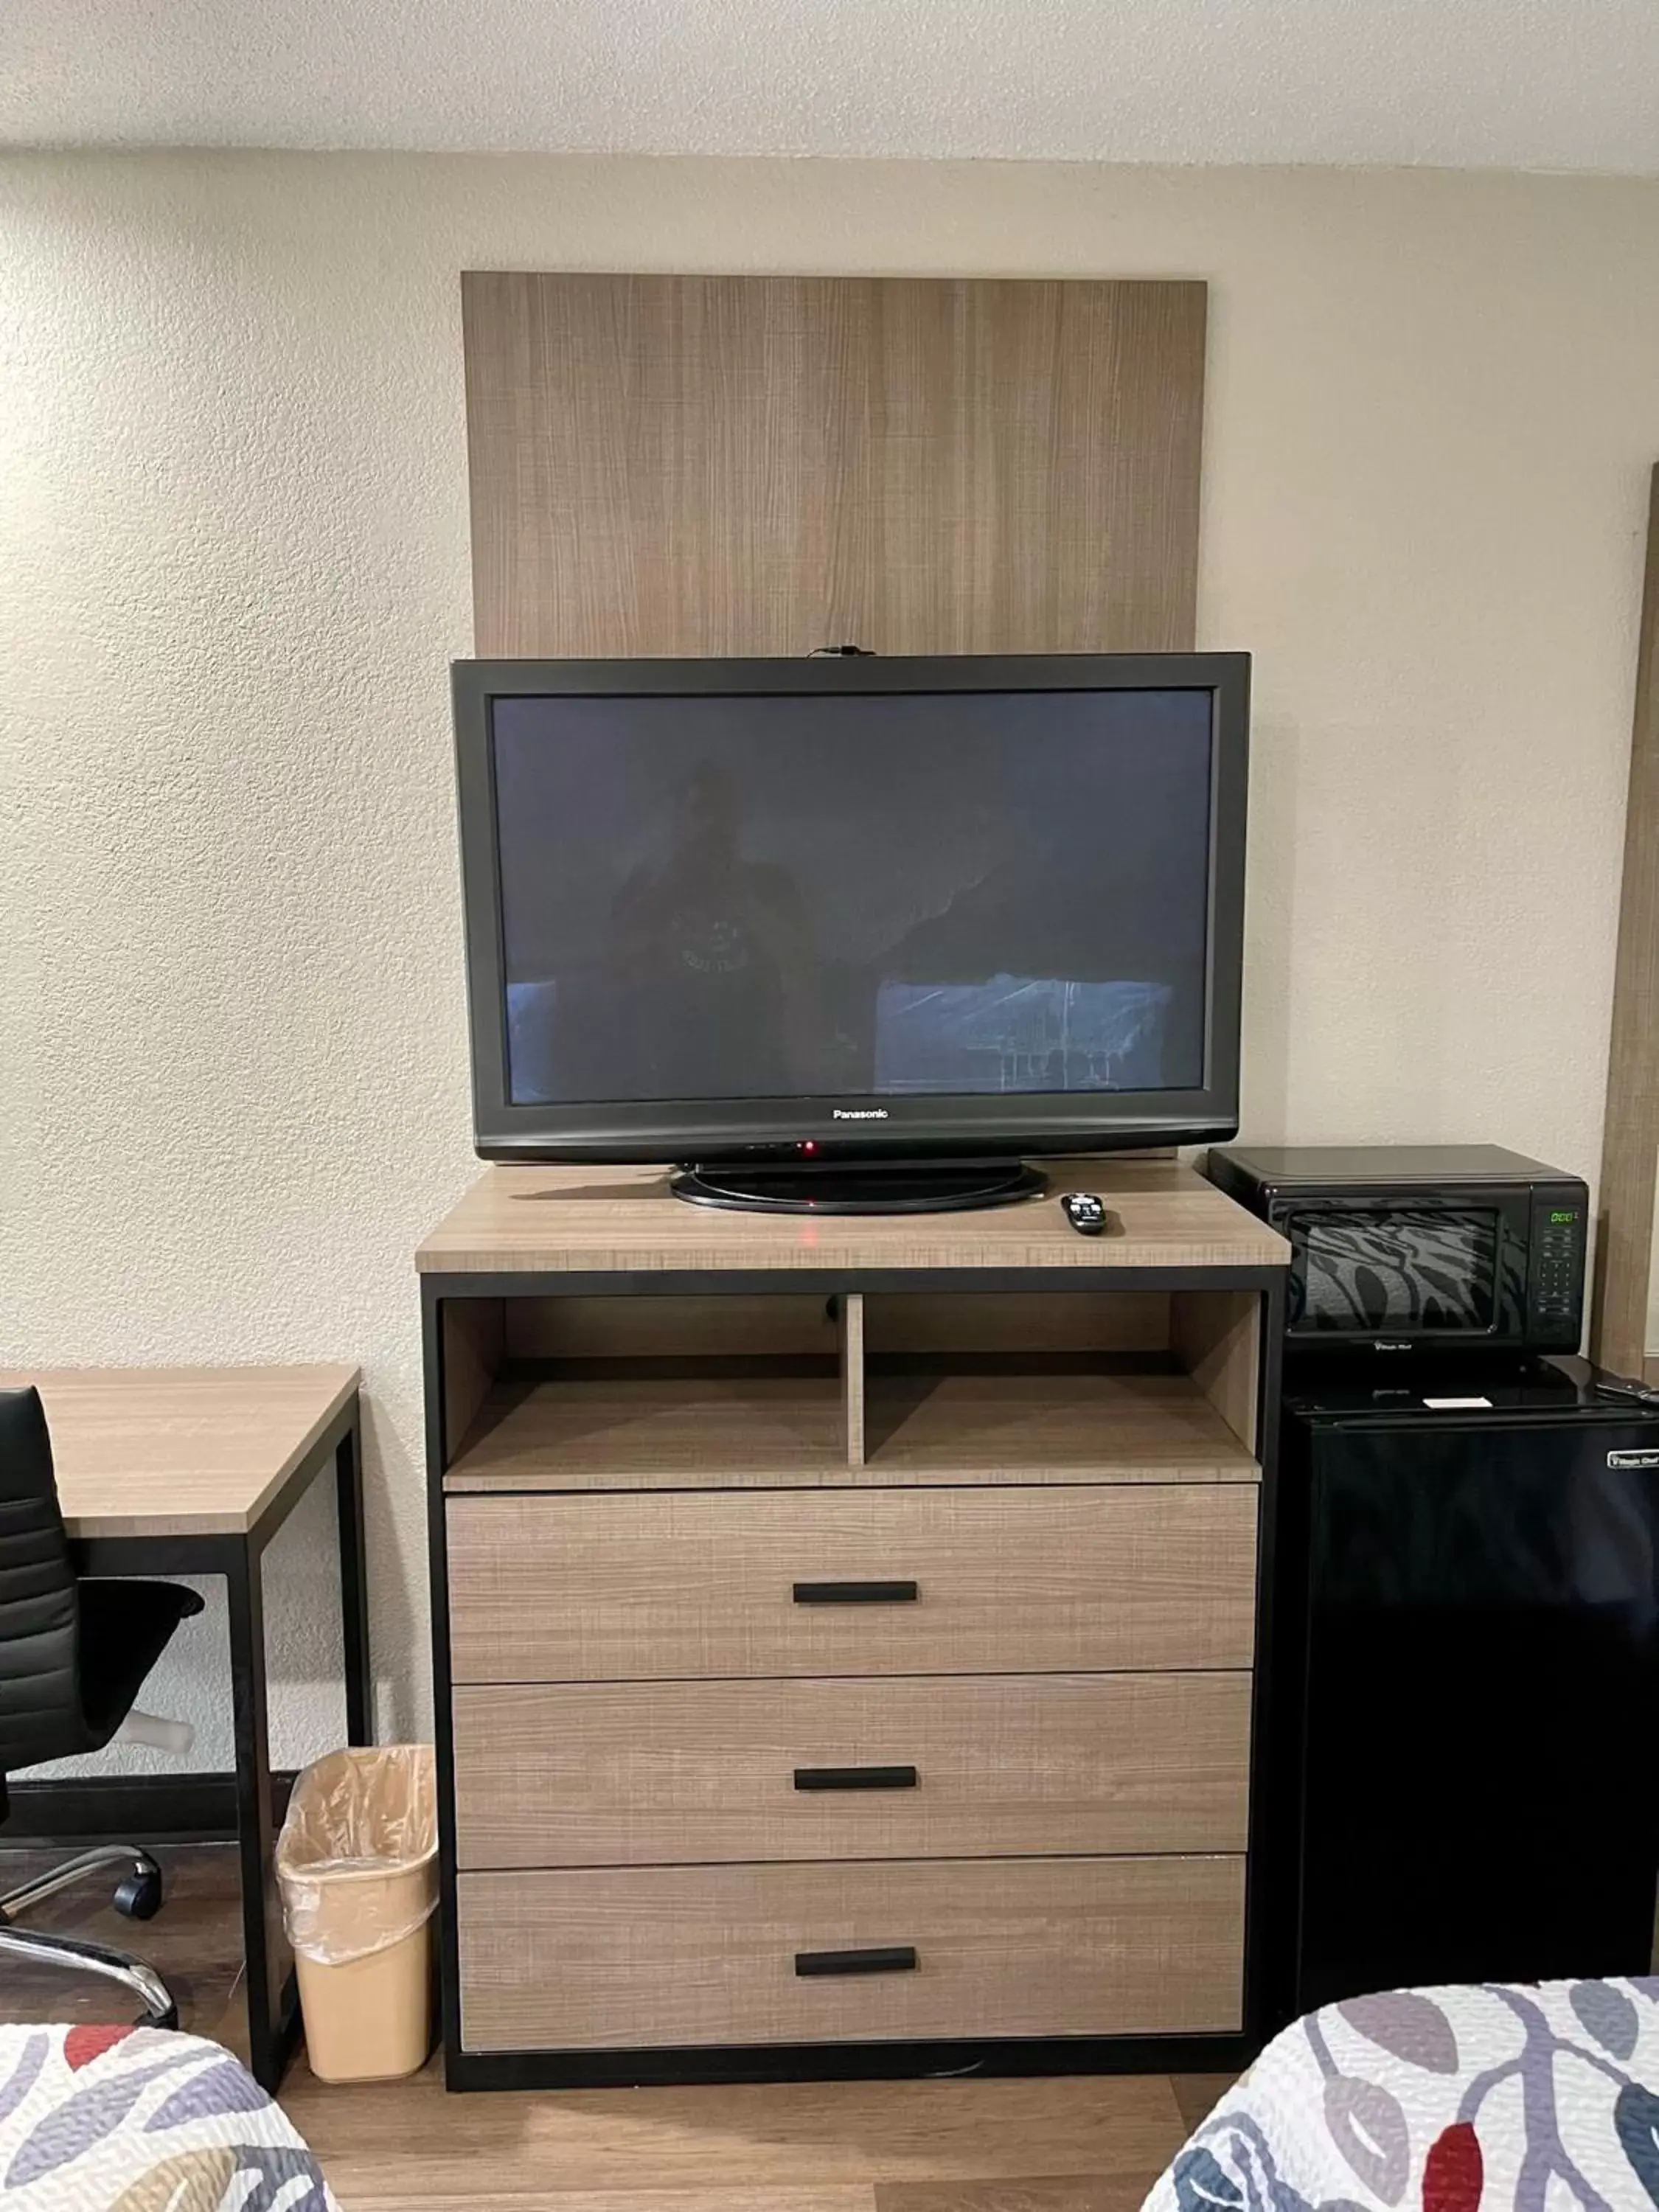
point(761, 465)
point(1630, 1145)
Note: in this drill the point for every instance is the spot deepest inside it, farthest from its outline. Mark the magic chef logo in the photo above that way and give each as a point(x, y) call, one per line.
point(858, 1113)
point(1633, 1459)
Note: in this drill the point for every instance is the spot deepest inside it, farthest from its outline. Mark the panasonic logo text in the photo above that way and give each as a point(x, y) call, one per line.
point(858, 1113)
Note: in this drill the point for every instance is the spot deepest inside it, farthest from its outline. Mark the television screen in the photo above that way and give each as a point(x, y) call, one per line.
point(850, 910)
point(902, 896)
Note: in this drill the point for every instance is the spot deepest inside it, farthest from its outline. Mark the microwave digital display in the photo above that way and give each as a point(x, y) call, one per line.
point(1398, 1270)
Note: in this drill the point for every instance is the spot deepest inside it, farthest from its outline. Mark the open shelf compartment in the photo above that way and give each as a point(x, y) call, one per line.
point(792, 1389)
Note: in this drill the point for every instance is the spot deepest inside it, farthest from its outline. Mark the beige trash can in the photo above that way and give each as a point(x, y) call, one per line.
point(357, 1863)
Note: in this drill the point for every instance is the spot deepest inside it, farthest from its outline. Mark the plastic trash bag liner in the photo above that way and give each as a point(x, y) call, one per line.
point(357, 1858)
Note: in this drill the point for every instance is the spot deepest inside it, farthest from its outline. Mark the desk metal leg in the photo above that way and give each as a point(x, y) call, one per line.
point(272, 2004)
point(354, 1586)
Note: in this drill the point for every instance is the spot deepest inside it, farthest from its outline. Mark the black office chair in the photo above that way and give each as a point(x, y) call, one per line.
point(73, 1657)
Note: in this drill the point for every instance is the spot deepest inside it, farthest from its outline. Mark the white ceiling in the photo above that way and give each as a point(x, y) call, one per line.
point(1544, 84)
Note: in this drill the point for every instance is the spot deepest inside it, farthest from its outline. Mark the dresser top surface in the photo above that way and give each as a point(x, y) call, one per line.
point(603, 1220)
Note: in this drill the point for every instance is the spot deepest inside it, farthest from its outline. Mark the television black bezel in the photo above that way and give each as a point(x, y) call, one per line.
point(751, 1130)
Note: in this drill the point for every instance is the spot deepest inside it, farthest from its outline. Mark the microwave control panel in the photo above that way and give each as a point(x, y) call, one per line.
point(1555, 1287)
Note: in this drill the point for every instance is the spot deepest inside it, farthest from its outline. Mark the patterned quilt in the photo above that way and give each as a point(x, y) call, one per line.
point(129, 2119)
point(1535, 2098)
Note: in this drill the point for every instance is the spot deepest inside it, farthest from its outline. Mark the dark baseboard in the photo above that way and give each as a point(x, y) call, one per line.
point(131, 1808)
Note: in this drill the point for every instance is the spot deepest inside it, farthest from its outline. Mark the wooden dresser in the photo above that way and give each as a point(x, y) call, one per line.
point(843, 1629)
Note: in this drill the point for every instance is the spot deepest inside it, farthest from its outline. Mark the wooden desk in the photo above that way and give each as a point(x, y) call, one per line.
point(193, 1471)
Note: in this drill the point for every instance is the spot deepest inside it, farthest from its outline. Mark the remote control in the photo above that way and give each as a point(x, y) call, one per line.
point(1085, 1211)
point(1616, 1387)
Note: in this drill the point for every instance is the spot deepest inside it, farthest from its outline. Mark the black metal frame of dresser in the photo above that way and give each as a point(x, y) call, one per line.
point(889, 2059)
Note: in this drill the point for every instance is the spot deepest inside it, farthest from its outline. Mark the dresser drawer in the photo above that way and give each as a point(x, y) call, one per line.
point(675, 1585)
point(618, 1774)
point(621, 1957)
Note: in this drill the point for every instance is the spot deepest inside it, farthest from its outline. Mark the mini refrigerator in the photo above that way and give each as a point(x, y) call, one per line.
point(1467, 1688)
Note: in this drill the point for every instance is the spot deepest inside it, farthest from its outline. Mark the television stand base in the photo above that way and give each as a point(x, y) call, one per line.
point(858, 1186)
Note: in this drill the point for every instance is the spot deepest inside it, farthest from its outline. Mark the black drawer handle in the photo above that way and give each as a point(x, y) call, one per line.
point(896, 1959)
point(855, 1778)
point(856, 1592)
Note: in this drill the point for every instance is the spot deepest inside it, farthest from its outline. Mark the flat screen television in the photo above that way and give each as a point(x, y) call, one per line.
point(853, 932)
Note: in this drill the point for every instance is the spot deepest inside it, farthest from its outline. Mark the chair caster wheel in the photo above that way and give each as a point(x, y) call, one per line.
point(139, 1897)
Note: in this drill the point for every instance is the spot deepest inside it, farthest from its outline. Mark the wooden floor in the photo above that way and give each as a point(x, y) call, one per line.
point(1090, 2144)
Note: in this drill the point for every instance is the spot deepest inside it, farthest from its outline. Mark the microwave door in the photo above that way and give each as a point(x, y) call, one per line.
point(1413, 1272)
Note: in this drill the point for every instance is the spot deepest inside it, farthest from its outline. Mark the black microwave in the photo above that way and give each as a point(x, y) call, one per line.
point(1399, 1247)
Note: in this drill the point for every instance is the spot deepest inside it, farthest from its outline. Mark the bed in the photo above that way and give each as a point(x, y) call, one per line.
point(132, 2119)
point(1534, 2098)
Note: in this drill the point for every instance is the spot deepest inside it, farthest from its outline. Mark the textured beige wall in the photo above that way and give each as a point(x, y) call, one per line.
point(235, 563)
